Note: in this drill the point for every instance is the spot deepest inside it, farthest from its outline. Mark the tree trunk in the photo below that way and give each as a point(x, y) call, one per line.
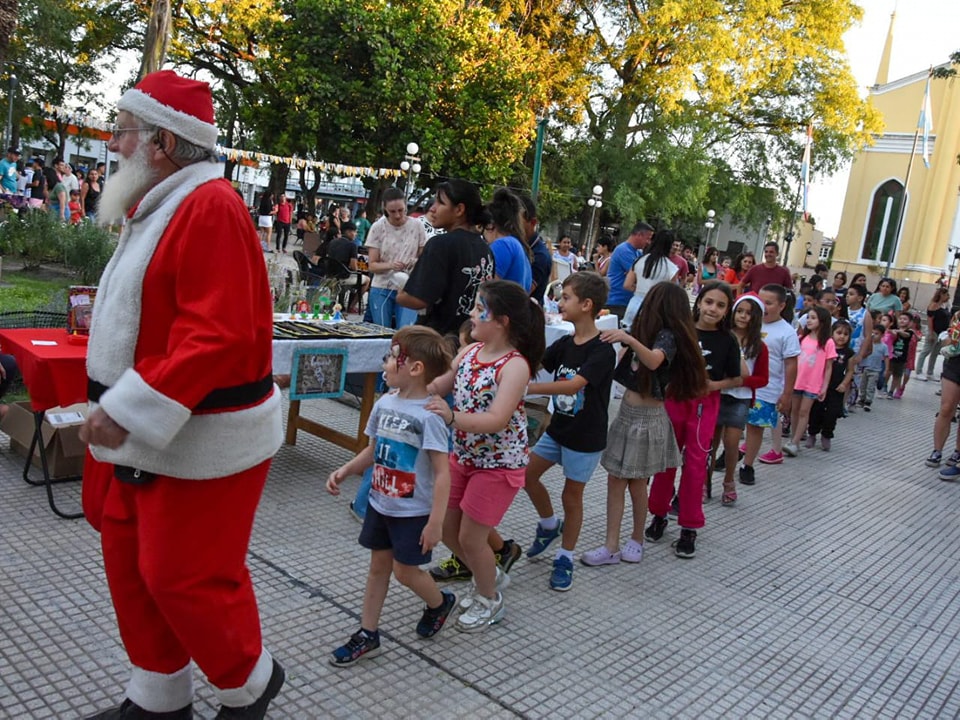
point(157, 38)
point(309, 191)
point(8, 25)
point(278, 179)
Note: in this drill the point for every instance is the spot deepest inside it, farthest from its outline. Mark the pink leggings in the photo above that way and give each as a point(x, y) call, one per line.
point(693, 424)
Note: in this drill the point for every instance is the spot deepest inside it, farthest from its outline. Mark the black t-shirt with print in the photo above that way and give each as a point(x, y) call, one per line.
point(446, 277)
point(901, 347)
point(721, 352)
point(579, 421)
point(629, 368)
point(838, 368)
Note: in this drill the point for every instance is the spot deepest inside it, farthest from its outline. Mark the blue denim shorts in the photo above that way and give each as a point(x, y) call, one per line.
point(400, 534)
point(762, 414)
point(577, 466)
point(806, 394)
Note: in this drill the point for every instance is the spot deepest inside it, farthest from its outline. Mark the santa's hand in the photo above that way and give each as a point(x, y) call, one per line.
point(100, 429)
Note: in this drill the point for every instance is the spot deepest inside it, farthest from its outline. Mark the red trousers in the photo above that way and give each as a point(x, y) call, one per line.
point(693, 423)
point(175, 556)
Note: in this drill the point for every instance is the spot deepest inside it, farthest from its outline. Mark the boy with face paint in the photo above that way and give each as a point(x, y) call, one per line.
point(411, 485)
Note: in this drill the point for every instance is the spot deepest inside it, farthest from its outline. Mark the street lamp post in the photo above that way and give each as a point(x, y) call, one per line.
point(595, 203)
point(708, 225)
point(13, 90)
point(411, 166)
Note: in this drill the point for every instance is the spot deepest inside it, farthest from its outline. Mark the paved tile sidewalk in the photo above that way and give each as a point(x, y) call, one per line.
point(830, 589)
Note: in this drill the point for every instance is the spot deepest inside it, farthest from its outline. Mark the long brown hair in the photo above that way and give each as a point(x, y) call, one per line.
point(824, 327)
point(667, 307)
point(526, 333)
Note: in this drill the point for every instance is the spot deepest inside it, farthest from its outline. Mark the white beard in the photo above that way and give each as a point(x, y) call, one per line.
point(127, 186)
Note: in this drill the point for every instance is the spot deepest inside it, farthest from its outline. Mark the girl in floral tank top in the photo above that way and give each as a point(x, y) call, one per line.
point(489, 379)
point(475, 388)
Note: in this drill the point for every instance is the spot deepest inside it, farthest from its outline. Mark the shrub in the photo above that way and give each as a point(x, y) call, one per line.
point(37, 237)
point(87, 249)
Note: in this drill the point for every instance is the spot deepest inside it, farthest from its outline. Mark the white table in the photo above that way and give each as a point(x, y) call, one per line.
point(364, 355)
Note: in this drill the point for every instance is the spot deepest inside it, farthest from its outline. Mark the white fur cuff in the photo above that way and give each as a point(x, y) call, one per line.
point(160, 693)
point(253, 688)
point(145, 413)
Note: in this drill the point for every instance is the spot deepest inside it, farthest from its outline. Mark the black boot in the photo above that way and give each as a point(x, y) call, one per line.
point(129, 710)
point(258, 710)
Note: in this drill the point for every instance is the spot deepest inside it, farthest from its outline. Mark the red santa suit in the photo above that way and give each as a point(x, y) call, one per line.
point(180, 356)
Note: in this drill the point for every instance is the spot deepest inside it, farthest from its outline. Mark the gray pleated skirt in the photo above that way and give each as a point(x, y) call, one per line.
point(640, 443)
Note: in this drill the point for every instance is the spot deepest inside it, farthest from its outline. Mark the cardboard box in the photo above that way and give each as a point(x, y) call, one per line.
point(60, 432)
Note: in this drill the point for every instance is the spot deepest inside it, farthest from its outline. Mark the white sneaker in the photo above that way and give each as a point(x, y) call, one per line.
point(502, 583)
point(791, 449)
point(921, 377)
point(481, 614)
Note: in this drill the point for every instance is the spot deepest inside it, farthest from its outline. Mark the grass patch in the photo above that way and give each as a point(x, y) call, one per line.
point(27, 290)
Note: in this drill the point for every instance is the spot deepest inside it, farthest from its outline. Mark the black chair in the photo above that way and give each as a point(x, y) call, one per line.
point(33, 319)
point(311, 274)
point(348, 281)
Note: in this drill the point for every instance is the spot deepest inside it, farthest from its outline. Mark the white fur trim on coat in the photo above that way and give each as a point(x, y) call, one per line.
point(207, 446)
point(165, 439)
point(253, 688)
point(143, 412)
point(161, 693)
point(190, 128)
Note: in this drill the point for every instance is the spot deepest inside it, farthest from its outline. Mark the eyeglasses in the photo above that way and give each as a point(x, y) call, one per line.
point(118, 131)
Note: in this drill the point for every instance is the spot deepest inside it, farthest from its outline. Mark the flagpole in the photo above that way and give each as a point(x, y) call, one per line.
point(906, 184)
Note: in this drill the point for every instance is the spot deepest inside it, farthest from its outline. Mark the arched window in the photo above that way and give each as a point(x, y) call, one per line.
point(882, 222)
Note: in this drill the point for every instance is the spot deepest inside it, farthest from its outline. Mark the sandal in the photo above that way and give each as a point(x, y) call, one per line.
point(729, 497)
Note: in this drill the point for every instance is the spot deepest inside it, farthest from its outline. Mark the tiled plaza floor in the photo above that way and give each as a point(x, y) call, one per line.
point(831, 589)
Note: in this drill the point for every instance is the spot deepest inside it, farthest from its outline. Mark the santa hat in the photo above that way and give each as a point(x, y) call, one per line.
point(178, 104)
point(752, 297)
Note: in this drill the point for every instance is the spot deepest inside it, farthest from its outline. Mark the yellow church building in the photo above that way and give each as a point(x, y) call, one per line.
point(867, 237)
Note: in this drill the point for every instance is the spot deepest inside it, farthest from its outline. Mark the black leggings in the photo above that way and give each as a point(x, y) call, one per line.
point(824, 415)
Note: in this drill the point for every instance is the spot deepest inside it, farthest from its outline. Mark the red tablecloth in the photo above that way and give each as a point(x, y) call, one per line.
point(54, 374)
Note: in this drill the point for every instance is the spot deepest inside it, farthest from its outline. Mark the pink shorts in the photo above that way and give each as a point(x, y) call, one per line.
point(484, 494)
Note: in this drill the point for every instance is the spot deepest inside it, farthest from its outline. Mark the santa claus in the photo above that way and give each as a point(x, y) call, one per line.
point(184, 416)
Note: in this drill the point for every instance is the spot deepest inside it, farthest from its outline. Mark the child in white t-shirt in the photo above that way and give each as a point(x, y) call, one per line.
point(776, 396)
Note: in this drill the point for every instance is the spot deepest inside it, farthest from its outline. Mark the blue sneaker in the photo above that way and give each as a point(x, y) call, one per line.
point(562, 576)
point(543, 539)
point(950, 473)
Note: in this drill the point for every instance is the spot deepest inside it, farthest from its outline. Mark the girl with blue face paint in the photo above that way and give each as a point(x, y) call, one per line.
point(487, 466)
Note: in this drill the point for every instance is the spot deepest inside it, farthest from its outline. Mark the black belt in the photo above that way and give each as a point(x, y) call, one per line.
point(219, 399)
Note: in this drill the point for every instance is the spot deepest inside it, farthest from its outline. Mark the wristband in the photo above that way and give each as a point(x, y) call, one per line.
point(453, 418)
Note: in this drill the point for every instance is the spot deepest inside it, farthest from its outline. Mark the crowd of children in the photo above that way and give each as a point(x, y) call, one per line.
point(449, 444)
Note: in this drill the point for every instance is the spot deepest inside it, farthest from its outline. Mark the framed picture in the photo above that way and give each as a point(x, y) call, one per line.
point(318, 373)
